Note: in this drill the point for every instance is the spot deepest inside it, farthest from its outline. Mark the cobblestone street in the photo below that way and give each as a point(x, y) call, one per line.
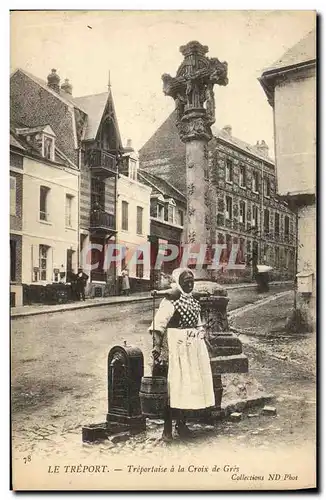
point(59, 384)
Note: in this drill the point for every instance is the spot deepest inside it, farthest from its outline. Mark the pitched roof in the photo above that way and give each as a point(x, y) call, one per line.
point(62, 95)
point(245, 146)
point(94, 106)
point(161, 185)
point(165, 138)
point(15, 143)
point(301, 52)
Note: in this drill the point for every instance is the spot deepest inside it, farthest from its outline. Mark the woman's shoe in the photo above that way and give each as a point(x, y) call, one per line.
point(183, 430)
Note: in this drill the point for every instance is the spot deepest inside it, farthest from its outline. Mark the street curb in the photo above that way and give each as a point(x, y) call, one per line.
point(78, 306)
point(258, 303)
point(109, 302)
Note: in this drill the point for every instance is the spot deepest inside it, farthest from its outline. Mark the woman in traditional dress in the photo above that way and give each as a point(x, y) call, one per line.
point(180, 353)
point(125, 285)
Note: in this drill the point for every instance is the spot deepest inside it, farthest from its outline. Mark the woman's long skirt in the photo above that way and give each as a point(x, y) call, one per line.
point(190, 381)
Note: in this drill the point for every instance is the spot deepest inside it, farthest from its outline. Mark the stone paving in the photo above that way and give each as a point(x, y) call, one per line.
point(47, 419)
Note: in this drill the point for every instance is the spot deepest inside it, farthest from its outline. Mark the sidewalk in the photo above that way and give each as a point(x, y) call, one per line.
point(36, 309)
point(261, 327)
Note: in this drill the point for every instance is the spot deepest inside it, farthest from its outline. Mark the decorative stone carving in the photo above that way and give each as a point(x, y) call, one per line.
point(192, 87)
point(191, 211)
point(192, 236)
point(191, 189)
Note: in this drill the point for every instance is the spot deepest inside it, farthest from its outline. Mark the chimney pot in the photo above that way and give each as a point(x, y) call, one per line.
point(66, 86)
point(262, 148)
point(54, 80)
point(227, 129)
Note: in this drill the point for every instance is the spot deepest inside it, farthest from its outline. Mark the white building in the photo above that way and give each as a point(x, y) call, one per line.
point(133, 218)
point(290, 86)
point(49, 208)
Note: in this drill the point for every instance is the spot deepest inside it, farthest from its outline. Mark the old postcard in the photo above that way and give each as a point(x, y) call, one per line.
point(163, 250)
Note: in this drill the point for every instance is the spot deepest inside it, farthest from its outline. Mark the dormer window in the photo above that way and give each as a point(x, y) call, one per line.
point(48, 147)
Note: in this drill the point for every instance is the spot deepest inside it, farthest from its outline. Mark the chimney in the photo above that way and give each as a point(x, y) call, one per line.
point(129, 148)
point(67, 87)
point(227, 130)
point(262, 148)
point(54, 81)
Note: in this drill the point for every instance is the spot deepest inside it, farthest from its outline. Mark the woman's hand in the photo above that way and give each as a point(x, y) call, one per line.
point(156, 352)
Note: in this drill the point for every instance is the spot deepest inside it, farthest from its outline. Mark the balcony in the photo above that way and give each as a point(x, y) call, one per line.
point(102, 222)
point(101, 163)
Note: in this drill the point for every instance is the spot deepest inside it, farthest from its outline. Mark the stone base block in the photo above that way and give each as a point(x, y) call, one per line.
point(237, 363)
point(242, 391)
point(114, 431)
point(137, 423)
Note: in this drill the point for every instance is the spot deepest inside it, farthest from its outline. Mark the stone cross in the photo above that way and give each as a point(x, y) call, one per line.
point(193, 92)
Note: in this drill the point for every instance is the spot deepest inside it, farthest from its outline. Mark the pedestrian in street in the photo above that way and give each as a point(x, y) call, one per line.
point(125, 285)
point(180, 354)
point(81, 283)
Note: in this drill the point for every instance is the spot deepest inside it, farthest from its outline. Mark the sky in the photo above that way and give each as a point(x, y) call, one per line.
point(137, 47)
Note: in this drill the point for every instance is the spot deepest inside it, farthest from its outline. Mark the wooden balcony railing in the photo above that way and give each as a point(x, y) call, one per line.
point(102, 163)
point(100, 220)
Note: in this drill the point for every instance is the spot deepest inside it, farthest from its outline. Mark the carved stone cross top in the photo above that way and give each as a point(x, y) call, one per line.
point(193, 90)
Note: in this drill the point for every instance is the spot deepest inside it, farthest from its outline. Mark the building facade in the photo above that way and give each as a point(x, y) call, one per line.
point(290, 86)
point(246, 211)
point(87, 134)
point(16, 220)
point(133, 222)
point(167, 215)
point(44, 231)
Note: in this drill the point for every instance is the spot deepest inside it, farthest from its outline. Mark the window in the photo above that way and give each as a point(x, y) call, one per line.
point(48, 147)
point(255, 182)
point(44, 195)
point(277, 257)
point(254, 222)
point(140, 211)
point(180, 220)
point(69, 199)
point(160, 211)
point(124, 211)
point(242, 180)
point(286, 227)
point(43, 256)
point(277, 224)
point(132, 169)
point(139, 270)
point(266, 221)
point(242, 212)
point(267, 185)
point(228, 213)
point(13, 257)
point(171, 212)
point(229, 171)
point(13, 194)
point(166, 213)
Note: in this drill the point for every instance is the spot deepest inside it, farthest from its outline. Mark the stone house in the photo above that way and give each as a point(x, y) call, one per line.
point(290, 87)
point(245, 207)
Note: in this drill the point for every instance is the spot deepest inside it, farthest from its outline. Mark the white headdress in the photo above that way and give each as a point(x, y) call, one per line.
point(176, 277)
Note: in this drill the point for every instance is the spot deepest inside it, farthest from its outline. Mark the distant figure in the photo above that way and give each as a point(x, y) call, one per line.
point(81, 283)
point(125, 286)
